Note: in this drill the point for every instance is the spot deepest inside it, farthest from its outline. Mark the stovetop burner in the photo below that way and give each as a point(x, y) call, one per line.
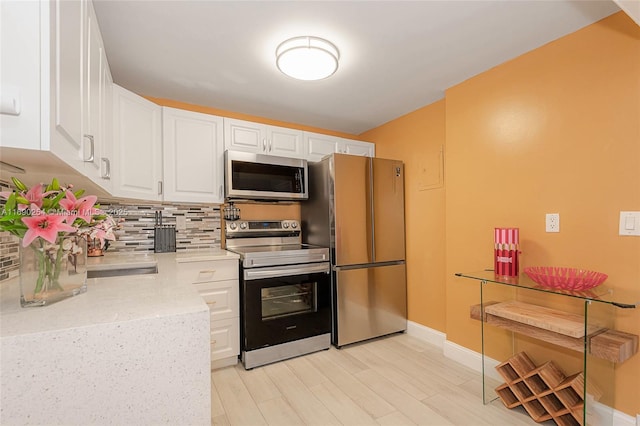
point(267, 243)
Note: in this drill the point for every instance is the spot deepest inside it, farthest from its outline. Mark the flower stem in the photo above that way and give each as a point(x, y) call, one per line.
point(55, 282)
point(41, 270)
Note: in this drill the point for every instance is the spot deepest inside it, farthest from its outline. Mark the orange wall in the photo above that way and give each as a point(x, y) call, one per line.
point(418, 139)
point(556, 130)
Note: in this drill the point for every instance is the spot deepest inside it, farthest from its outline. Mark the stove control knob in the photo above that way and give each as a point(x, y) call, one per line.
point(294, 225)
point(243, 225)
point(285, 225)
point(233, 226)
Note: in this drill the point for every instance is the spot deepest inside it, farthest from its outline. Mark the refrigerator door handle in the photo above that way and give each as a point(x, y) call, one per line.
point(367, 265)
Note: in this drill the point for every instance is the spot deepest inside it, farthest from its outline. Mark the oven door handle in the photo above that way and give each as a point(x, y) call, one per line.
point(282, 271)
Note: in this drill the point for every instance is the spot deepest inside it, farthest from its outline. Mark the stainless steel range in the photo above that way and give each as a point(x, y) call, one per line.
point(285, 291)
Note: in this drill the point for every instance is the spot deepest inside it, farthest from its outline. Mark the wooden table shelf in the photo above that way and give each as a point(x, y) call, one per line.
point(612, 345)
point(542, 390)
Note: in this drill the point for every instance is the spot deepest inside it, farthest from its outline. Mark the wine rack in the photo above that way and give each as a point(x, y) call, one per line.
point(544, 391)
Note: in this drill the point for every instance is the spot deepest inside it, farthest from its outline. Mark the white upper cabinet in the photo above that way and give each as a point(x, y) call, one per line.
point(365, 149)
point(284, 142)
point(137, 143)
point(67, 78)
point(97, 101)
point(240, 135)
point(20, 74)
point(54, 66)
point(318, 145)
point(193, 156)
point(106, 123)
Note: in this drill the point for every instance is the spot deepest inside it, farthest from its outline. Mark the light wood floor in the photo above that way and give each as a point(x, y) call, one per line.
point(398, 380)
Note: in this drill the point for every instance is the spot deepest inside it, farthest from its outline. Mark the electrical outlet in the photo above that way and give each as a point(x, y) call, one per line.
point(553, 222)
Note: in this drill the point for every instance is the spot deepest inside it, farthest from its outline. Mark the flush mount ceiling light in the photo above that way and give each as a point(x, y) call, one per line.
point(307, 58)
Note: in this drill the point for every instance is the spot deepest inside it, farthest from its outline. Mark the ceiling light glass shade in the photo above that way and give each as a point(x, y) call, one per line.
point(307, 58)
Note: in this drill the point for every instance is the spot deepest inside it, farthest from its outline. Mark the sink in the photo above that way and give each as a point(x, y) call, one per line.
point(122, 271)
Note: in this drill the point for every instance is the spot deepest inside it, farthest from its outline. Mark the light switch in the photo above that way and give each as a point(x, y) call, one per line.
point(629, 223)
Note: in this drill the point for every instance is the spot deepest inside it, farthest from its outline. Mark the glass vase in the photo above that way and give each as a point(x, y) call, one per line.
point(52, 272)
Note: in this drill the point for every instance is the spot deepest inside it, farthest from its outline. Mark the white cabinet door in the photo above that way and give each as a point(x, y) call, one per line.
point(67, 79)
point(318, 145)
point(285, 142)
point(137, 160)
point(366, 149)
point(245, 136)
point(193, 156)
point(264, 139)
point(92, 102)
point(20, 73)
point(106, 122)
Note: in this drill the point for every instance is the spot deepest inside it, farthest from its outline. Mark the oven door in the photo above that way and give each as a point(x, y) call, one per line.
point(285, 303)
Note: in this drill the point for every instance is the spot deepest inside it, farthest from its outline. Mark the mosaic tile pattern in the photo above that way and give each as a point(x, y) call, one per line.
point(201, 229)
point(9, 255)
point(201, 225)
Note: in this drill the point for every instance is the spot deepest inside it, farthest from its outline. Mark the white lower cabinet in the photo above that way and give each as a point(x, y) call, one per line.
point(217, 283)
point(225, 342)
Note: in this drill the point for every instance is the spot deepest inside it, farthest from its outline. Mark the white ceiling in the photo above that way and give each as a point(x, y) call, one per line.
point(396, 56)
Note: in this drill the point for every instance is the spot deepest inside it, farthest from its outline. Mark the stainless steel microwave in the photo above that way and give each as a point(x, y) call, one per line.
point(249, 176)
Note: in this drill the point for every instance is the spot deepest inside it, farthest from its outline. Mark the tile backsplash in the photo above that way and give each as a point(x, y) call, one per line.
point(9, 254)
point(197, 225)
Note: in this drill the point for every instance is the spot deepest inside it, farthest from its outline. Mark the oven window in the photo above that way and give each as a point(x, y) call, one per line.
point(266, 177)
point(288, 300)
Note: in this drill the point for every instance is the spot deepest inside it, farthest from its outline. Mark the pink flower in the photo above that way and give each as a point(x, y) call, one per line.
point(82, 208)
point(44, 225)
point(35, 196)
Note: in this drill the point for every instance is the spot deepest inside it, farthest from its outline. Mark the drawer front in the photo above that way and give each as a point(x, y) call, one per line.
point(222, 298)
point(225, 338)
point(204, 271)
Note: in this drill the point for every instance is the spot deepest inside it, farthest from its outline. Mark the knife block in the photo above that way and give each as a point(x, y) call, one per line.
point(164, 238)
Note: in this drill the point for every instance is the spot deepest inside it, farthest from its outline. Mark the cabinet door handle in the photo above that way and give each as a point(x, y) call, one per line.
point(264, 144)
point(213, 302)
point(90, 159)
point(107, 173)
point(270, 144)
point(213, 342)
point(159, 187)
point(207, 271)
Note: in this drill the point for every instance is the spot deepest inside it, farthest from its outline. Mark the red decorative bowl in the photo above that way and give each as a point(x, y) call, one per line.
point(565, 278)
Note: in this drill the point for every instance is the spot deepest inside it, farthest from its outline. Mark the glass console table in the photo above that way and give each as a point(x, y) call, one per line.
point(552, 352)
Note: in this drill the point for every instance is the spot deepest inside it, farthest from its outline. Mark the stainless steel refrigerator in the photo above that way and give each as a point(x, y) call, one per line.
point(356, 208)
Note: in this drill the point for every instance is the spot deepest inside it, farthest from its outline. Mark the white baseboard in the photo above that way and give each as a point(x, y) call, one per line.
point(473, 360)
point(429, 335)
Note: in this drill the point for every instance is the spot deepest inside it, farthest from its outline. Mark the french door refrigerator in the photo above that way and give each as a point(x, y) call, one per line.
point(356, 208)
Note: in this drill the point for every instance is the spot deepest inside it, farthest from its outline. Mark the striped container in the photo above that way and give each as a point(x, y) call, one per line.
point(506, 250)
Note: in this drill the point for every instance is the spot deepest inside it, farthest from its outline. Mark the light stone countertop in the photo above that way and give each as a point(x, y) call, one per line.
point(114, 299)
point(131, 350)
